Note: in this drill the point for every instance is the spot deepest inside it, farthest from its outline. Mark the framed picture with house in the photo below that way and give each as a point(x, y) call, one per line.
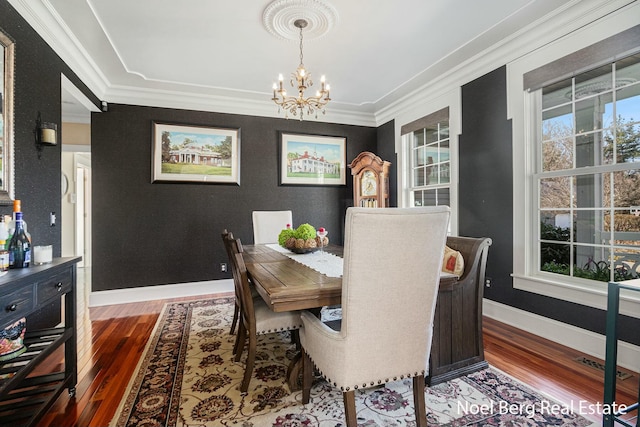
point(183, 153)
point(312, 159)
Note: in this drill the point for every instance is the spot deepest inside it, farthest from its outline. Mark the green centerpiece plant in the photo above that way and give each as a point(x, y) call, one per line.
point(300, 239)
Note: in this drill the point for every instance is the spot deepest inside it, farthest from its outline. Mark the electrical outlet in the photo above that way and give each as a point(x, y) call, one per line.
point(223, 267)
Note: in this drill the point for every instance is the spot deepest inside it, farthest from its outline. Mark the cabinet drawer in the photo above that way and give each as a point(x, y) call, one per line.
point(15, 305)
point(55, 286)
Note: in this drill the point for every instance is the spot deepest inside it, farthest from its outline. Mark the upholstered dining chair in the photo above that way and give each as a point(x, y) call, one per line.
point(391, 273)
point(256, 318)
point(268, 224)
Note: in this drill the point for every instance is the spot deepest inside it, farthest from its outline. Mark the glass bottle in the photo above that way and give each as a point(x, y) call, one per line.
point(20, 246)
point(4, 257)
point(17, 207)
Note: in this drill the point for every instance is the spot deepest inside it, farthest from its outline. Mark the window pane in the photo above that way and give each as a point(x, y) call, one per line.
point(628, 103)
point(419, 177)
point(557, 123)
point(444, 197)
point(557, 154)
point(628, 143)
point(432, 134)
point(594, 82)
point(444, 130)
point(555, 193)
point(628, 69)
point(591, 113)
point(626, 186)
point(431, 154)
point(418, 138)
point(556, 94)
point(592, 190)
point(419, 157)
point(445, 173)
point(589, 226)
point(590, 149)
point(444, 150)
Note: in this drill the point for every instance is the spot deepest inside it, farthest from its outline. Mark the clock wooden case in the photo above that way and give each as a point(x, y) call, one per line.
point(370, 181)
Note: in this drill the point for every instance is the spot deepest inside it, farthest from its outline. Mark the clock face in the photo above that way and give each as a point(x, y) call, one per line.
point(369, 183)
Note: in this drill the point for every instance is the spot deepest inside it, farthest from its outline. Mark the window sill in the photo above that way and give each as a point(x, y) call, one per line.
point(578, 291)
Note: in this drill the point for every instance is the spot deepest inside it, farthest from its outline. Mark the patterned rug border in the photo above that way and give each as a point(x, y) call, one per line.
point(137, 377)
point(128, 400)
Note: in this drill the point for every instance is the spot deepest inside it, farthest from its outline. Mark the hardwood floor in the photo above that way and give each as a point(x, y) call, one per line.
point(119, 335)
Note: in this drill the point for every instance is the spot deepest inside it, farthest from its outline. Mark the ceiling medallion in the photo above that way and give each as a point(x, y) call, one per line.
point(280, 15)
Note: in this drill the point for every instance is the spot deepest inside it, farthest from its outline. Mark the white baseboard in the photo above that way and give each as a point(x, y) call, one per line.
point(579, 339)
point(150, 293)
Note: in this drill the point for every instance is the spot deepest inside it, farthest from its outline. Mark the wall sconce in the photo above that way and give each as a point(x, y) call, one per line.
point(47, 133)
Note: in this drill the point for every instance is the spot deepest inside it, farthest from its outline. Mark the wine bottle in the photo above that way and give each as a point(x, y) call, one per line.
point(20, 246)
point(17, 207)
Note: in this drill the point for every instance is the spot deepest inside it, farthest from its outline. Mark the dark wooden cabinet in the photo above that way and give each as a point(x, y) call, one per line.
point(457, 348)
point(28, 389)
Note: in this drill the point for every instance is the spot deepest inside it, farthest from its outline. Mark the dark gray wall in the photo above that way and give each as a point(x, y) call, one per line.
point(486, 205)
point(148, 233)
point(37, 173)
point(386, 151)
point(37, 90)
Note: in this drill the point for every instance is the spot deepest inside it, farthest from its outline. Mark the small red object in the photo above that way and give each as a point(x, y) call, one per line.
point(321, 229)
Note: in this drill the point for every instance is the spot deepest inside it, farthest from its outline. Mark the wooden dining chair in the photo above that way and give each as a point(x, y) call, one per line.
point(391, 273)
point(227, 246)
point(256, 318)
point(267, 225)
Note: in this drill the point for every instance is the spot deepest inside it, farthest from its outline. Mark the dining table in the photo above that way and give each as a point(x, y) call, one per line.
point(289, 281)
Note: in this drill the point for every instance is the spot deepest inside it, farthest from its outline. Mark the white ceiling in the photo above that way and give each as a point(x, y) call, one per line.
point(215, 51)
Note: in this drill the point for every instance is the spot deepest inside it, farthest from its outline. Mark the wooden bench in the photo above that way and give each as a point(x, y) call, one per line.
point(457, 348)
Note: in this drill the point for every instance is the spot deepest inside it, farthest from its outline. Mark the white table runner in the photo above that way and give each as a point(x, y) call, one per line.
point(331, 265)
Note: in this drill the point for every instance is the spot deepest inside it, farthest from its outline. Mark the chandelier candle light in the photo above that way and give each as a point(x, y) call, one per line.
point(295, 104)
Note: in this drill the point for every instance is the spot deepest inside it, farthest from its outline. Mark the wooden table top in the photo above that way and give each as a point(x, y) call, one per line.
point(288, 285)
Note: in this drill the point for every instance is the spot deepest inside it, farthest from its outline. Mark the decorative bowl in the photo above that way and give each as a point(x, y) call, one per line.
point(303, 250)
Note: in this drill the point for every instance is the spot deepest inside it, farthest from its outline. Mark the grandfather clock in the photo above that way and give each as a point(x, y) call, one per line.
point(370, 181)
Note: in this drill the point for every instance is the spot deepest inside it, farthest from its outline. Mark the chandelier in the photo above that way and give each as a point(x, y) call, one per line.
point(301, 80)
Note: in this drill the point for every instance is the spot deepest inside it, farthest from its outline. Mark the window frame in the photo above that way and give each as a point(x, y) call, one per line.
point(575, 171)
point(520, 111)
point(451, 101)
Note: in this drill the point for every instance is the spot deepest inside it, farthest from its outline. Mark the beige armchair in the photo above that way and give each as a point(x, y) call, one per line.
point(268, 224)
point(392, 262)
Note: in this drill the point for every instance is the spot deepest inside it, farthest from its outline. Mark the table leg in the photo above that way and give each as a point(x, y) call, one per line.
point(294, 373)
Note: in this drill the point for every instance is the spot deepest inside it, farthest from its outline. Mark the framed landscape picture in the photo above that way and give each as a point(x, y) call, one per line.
point(312, 159)
point(195, 154)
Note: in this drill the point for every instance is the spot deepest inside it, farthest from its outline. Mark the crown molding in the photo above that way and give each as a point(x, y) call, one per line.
point(439, 80)
point(46, 22)
point(251, 104)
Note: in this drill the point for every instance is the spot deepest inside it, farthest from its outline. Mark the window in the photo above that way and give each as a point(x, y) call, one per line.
point(588, 173)
point(429, 183)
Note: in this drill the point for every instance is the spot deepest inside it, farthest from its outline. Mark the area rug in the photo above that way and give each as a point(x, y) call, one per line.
point(187, 377)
